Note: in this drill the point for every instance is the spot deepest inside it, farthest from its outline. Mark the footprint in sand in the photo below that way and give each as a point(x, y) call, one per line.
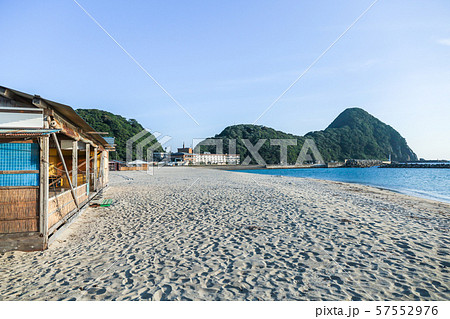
point(145, 294)
point(422, 292)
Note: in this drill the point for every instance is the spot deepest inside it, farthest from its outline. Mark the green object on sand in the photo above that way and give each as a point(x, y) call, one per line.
point(106, 203)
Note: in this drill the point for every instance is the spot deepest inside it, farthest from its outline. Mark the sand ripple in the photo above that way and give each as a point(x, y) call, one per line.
point(198, 234)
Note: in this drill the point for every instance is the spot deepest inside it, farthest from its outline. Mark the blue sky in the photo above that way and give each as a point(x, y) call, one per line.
point(227, 61)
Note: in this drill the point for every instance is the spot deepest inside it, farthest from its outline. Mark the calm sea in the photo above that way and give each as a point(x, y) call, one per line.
point(431, 183)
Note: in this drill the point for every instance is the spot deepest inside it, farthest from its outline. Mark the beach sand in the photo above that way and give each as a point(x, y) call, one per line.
point(203, 234)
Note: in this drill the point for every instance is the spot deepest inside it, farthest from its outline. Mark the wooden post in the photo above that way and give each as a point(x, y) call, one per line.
point(95, 169)
point(88, 168)
point(43, 188)
point(75, 164)
point(61, 156)
point(106, 175)
point(102, 168)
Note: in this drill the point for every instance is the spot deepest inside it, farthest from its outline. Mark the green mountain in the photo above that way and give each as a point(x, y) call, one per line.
point(118, 127)
point(270, 153)
point(357, 134)
point(353, 134)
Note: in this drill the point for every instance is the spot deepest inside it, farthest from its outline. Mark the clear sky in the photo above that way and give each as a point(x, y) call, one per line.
point(227, 61)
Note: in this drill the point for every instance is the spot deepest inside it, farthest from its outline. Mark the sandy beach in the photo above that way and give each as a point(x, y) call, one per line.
point(203, 234)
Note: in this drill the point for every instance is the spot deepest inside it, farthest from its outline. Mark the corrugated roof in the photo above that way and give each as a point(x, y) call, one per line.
point(28, 132)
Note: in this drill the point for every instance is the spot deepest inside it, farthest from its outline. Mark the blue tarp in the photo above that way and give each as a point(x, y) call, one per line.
point(19, 157)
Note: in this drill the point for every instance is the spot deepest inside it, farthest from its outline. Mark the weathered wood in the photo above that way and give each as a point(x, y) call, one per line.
point(65, 207)
point(26, 209)
point(28, 241)
point(20, 110)
point(21, 140)
point(61, 156)
point(40, 103)
point(75, 164)
point(88, 168)
point(7, 93)
point(71, 131)
point(19, 187)
point(106, 168)
point(20, 172)
point(65, 224)
point(101, 170)
point(44, 186)
point(95, 169)
point(58, 201)
point(68, 211)
point(63, 204)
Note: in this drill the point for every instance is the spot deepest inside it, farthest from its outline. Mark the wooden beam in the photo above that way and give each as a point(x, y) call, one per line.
point(75, 164)
point(19, 187)
point(61, 156)
point(29, 241)
point(101, 172)
point(70, 130)
point(40, 103)
point(106, 168)
point(7, 93)
point(88, 168)
point(95, 169)
point(44, 187)
point(20, 172)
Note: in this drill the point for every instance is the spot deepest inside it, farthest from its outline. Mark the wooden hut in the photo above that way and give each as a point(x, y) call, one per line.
point(116, 165)
point(51, 164)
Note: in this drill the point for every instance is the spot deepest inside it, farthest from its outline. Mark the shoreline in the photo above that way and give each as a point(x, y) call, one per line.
point(189, 234)
point(413, 193)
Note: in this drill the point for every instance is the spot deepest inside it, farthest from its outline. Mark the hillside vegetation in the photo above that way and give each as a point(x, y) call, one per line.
point(353, 134)
point(118, 127)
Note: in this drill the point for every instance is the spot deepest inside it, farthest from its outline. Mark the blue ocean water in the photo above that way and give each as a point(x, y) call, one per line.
point(431, 183)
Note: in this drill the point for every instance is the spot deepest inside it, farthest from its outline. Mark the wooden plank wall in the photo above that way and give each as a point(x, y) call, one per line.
point(61, 205)
point(19, 209)
point(144, 167)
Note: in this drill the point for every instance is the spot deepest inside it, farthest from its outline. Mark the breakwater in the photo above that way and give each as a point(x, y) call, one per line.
point(416, 165)
point(362, 163)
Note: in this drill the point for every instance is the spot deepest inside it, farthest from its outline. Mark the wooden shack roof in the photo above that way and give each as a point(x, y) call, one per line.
point(65, 111)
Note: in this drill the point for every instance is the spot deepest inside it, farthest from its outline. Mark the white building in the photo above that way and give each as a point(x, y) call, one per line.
point(216, 159)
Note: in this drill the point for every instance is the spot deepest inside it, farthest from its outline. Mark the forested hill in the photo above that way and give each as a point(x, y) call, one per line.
point(270, 153)
point(353, 134)
point(357, 134)
point(118, 127)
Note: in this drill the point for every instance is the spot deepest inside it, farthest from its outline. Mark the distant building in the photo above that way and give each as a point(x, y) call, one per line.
point(161, 157)
point(115, 165)
point(183, 157)
point(186, 156)
point(138, 163)
point(185, 150)
point(217, 159)
point(110, 140)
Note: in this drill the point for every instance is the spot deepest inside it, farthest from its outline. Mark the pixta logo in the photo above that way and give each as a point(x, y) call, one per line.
point(308, 151)
point(145, 140)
